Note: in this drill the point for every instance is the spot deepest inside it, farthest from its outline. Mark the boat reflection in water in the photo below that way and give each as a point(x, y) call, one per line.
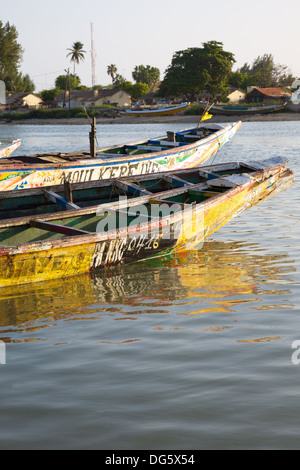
point(221, 278)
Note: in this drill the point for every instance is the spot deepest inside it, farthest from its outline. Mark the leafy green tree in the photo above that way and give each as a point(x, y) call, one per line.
point(76, 53)
point(135, 90)
point(246, 69)
point(240, 80)
point(126, 85)
point(82, 87)
point(262, 70)
point(196, 70)
point(265, 73)
point(49, 95)
point(282, 75)
point(148, 75)
point(11, 54)
point(138, 89)
point(62, 82)
point(27, 84)
point(16, 82)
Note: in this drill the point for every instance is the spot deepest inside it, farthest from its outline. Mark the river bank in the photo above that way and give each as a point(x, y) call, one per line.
point(178, 118)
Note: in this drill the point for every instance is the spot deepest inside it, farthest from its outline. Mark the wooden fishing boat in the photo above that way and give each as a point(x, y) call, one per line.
point(228, 109)
point(131, 219)
point(158, 111)
point(7, 151)
point(175, 150)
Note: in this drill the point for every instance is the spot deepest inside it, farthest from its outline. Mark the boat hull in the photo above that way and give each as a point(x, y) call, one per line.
point(7, 151)
point(14, 176)
point(244, 110)
point(159, 111)
point(181, 231)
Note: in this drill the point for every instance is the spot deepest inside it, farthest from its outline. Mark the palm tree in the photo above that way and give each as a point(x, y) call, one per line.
point(136, 74)
point(112, 71)
point(76, 53)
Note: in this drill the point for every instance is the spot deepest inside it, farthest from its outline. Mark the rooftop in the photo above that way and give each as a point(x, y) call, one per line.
point(273, 91)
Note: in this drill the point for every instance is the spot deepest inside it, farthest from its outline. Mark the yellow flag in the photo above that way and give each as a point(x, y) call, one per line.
point(206, 116)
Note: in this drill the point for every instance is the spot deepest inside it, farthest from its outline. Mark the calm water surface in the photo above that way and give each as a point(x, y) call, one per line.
point(192, 352)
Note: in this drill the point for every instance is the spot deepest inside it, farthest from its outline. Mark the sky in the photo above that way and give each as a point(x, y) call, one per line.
point(128, 33)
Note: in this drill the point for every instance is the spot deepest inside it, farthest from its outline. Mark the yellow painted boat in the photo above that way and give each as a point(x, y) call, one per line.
point(158, 111)
point(131, 219)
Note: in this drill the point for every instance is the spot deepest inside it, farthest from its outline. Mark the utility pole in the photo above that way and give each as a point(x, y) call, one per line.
point(69, 86)
point(93, 56)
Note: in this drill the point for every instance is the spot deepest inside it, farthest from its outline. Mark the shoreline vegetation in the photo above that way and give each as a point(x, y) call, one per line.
point(112, 115)
point(178, 118)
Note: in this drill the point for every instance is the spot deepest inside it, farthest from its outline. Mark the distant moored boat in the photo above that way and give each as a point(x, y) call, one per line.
point(158, 111)
point(243, 109)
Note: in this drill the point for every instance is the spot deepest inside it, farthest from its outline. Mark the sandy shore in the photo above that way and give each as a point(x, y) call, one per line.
point(178, 118)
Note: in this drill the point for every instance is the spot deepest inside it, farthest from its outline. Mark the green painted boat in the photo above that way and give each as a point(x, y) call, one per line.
point(63, 231)
point(228, 109)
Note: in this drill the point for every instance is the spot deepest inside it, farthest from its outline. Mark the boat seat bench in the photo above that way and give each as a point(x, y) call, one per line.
point(62, 202)
point(131, 188)
point(129, 214)
point(169, 203)
point(208, 174)
point(205, 193)
point(63, 229)
point(164, 143)
point(144, 147)
point(176, 181)
point(190, 136)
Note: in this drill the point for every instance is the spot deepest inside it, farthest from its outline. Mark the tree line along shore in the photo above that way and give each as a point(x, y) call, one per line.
point(192, 72)
point(172, 119)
